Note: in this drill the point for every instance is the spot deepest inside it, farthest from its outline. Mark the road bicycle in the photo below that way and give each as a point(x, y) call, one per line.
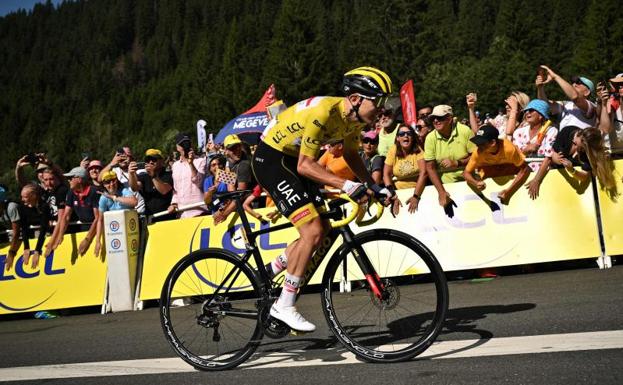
point(383, 294)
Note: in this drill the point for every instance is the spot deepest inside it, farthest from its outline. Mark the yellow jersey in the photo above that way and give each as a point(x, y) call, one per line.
point(309, 124)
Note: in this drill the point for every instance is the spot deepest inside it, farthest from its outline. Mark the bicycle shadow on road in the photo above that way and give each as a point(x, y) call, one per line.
point(460, 320)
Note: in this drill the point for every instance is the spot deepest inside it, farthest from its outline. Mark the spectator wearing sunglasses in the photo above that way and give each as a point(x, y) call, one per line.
point(155, 185)
point(423, 127)
point(446, 151)
point(370, 155)
point(424, 111)
point(94, 168)
point(405, 163)
point(578, 111)
point(535, 137)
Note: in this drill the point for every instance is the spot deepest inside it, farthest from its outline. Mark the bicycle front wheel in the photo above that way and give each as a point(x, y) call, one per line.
point(209, 310)
point(409, 315)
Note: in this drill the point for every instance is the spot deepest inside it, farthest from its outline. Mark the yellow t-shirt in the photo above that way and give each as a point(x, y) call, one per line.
point(307, 125)
point(405, 169)
point(508, 154)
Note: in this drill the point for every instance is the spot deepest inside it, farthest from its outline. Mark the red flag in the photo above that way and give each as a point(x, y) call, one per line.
point(407, 99)
point(267, 100)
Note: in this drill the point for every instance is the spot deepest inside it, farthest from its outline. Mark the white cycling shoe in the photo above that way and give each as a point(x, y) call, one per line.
point(292, 318)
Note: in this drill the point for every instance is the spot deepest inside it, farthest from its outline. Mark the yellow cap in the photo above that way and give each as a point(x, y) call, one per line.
point(231, 140)
point(109, 175)
point(154, 153)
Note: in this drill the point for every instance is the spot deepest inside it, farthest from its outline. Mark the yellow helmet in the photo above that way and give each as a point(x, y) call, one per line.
point(367, 81)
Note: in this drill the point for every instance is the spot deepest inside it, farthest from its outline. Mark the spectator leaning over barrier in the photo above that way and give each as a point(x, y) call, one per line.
point(386, 126)
point(536, 135)
point(239, 163)
point(94, 168)
point(155, 185)
point(584, 148)
point(10, 221)
point(446, 150)
point(84, 201)
point(371, 159)
point(116, 197)
point(54, 193)
point(495, 157)
point(211, 185)
point(188, 175)
point(405, 163)
point(33, 212)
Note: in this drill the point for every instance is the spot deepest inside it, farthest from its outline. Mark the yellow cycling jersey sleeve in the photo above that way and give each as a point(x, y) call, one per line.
point(307, 125)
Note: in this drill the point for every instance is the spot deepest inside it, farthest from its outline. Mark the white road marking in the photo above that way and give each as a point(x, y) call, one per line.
point(447, 349)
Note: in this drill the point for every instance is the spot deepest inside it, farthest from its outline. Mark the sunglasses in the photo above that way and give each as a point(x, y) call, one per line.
point(438, 118)
point(377, 101)
point(108, 181)
point(404, 133)
point(370, 141)
point(150, 159)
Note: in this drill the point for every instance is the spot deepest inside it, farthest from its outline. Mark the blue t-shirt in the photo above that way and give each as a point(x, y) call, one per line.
point(107, 204)
point(209, 182)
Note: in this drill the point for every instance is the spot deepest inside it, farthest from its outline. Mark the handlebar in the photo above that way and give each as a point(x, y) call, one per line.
point(356, 213)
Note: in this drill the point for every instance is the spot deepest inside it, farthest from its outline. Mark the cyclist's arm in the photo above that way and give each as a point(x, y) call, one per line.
point(354, 161)
point(309, 168)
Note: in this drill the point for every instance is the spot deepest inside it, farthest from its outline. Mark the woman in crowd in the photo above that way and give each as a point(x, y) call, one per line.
point(405, 162)
point(535, 136)
point(584, 148)
point(514, 106)
point(212, 185)
point(370, 155)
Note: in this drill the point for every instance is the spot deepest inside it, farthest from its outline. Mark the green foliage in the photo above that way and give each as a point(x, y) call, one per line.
point(95, 75)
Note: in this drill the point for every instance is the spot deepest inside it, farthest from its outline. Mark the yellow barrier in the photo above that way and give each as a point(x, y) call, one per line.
point(62, 280)
point(611, 214)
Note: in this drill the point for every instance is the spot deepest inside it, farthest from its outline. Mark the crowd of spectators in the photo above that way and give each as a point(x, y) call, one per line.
point(525, 137)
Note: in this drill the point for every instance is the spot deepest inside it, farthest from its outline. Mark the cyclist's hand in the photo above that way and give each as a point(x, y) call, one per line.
point(357, 191)
point(385, 195)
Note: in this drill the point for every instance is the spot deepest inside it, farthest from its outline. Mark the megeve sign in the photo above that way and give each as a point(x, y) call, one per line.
point(250, 121)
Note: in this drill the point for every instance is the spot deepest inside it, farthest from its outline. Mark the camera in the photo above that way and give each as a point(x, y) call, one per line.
point(120, 151)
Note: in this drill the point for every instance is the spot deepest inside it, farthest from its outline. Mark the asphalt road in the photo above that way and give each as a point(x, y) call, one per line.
point(555, 306)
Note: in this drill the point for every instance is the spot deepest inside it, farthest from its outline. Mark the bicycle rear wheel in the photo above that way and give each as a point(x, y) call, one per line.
point(209, 309)
point(408, 318)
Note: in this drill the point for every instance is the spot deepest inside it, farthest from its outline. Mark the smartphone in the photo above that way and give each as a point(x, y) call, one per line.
point(120, 151)
point(211, 138)
point(140, 165)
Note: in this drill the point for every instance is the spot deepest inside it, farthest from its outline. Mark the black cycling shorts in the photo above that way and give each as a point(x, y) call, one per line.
point(295, 196)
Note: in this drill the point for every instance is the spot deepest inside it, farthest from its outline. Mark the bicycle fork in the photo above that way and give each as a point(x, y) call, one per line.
point(372, 277)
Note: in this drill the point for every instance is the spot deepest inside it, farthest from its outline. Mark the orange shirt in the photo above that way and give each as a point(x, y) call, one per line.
point(336, 166)
point(507, 154)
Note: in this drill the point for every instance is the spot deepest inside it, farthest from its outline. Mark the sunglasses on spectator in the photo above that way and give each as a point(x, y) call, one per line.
point(108, 181)
point(370, 141)
point(439, 118)
point(578, 81)
point(404, 133)
point(423, 115)
point(149, 159)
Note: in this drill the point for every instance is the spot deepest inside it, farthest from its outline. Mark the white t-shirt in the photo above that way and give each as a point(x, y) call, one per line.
point(572, 115)
point(616, 135)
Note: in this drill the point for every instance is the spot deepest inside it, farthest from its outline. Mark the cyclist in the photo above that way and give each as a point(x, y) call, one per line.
point(285, 165)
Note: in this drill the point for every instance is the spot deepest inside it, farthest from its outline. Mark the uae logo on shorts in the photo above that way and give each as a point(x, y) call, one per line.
point(114, 226)
point(115, 244)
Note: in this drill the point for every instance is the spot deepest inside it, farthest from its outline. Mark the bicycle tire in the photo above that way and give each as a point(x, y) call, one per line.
point(210, 337)
point(404, 324)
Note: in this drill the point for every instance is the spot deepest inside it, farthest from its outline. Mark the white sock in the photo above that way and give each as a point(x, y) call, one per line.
point(288, 293)
point(279, 264)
